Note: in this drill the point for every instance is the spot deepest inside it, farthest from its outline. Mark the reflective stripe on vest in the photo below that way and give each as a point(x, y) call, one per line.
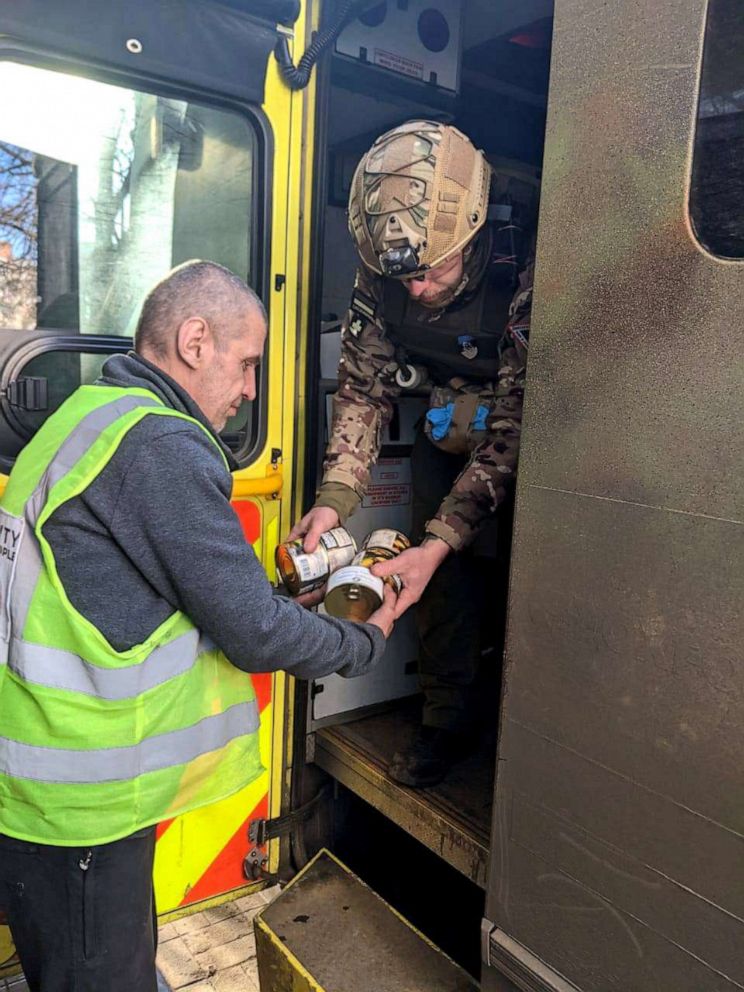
point(72, 449)
point(77, 443)
point(43, 764)
point(58, 669)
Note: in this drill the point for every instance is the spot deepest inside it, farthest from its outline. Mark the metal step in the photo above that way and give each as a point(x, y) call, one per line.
point(329, 932)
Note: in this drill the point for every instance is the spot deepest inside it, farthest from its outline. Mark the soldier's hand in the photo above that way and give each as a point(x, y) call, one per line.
point(315, 522)
point(384, 618)
point(415, 568)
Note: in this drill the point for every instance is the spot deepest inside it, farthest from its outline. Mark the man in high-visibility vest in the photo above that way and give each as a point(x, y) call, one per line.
point(132, 612)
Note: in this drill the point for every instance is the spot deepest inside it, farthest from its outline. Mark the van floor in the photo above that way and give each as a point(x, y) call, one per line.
point(452, 818)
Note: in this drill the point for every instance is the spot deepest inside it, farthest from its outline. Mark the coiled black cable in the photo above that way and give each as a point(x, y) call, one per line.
point(298, 76)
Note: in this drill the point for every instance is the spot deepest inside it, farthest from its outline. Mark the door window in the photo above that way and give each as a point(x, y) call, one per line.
point(717, 192)
point(102, 190)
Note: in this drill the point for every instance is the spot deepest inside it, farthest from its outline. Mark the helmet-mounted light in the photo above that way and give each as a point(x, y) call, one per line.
point(397, 262)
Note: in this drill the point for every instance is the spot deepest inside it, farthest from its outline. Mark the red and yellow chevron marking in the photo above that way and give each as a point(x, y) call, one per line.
point(200, 855)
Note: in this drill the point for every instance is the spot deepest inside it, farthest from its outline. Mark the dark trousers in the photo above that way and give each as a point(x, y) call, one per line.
point(82, 918)
point(461, 614)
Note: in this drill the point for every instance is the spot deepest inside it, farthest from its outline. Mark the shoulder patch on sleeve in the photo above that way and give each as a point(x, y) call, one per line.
point(363, 310)
point(364, 304)
point(521, 334)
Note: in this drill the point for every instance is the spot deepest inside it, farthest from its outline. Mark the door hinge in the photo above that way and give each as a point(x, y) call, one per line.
point(28, 393)
point(254, 865)
point(261, 831)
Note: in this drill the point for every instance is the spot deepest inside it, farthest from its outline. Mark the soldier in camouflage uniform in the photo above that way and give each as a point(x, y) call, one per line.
point(426, 306)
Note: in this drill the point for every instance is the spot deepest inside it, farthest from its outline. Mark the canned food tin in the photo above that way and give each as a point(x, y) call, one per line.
point(385, 544)
point(301, 572)
point(354, 593)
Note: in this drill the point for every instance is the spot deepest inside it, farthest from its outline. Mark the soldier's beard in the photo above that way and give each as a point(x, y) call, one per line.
point(437, 300)
point(475, 262)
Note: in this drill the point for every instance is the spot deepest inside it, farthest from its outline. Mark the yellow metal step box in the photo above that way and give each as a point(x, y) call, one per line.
point(329, 932)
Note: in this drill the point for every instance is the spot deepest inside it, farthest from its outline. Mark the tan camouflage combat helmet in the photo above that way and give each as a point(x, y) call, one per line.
point(419, 195)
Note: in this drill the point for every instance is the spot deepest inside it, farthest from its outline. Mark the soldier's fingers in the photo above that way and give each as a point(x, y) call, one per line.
point(297, 531)
point(384, 615)
point(389, 603)
point(405, 599)
point(312, 537)
point(301, 527)
point(384, 568)
point(389, 597)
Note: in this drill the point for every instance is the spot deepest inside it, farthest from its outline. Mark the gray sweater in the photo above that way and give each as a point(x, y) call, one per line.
point(155, 533)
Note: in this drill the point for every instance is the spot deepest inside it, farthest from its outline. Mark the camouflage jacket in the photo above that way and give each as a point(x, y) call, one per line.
point(363, 406)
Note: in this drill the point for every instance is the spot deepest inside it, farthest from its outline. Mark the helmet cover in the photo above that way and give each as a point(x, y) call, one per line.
point(418, 196)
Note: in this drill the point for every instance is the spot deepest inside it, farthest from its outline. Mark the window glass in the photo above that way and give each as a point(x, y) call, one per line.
point(717, 193)
point(102, 190)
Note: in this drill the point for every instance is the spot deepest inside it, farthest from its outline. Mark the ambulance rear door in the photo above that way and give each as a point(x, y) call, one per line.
point(151, 134)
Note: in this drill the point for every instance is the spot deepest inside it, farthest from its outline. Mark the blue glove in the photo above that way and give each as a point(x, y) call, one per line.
point(478, 422)
point(440, 418)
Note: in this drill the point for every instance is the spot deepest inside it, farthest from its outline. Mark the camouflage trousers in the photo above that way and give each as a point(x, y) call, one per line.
point(460, 618)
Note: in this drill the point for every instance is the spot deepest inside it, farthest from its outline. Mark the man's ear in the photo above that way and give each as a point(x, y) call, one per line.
point(193, 341)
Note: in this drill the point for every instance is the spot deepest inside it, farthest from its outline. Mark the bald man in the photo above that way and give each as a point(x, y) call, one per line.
point(137, 610)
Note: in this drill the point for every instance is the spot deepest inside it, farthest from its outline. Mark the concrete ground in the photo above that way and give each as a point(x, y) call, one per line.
point(214, 950)
point(13, 985)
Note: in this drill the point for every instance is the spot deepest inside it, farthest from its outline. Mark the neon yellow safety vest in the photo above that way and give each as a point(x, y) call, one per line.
point(96, 743)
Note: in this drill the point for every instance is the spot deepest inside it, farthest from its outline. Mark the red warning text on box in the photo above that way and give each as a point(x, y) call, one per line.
point(390, 484)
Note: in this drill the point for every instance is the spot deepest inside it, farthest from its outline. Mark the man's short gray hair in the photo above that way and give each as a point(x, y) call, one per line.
point(193, 289)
